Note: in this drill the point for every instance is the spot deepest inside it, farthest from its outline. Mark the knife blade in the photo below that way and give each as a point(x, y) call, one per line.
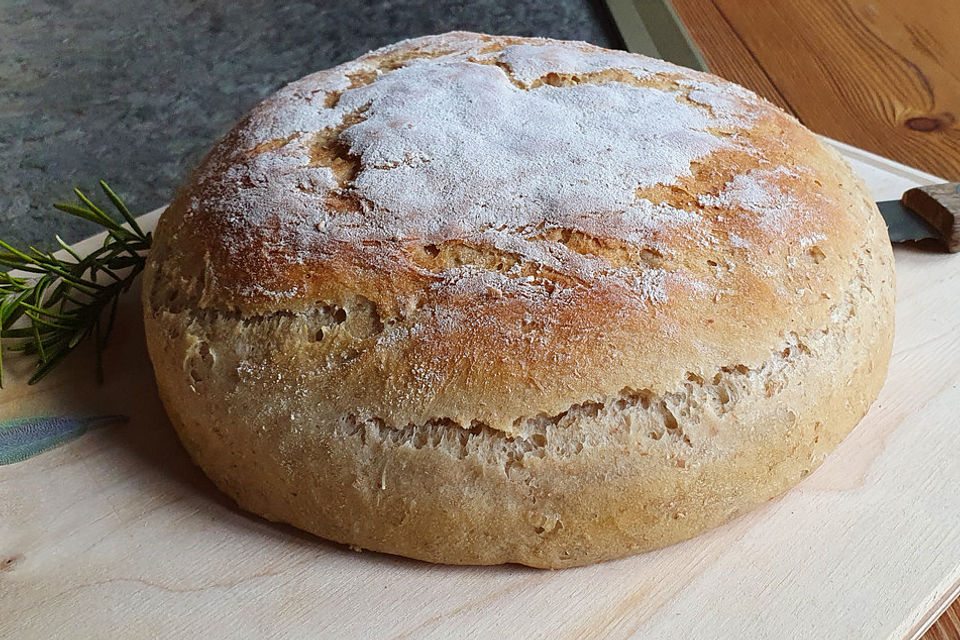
point(903, 224)
point(653, 28)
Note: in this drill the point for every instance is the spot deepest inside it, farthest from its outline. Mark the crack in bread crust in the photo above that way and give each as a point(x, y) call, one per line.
point(644, 413)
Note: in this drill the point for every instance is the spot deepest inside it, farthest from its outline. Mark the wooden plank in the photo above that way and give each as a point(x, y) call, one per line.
point(724, 52)
point(118, 535)
point(882, 75)
point(947, 627)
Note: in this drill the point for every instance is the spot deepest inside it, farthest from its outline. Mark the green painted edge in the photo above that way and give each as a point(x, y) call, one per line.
point(653, 28)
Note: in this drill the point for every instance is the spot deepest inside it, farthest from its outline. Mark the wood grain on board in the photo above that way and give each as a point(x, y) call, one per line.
point(882, 75)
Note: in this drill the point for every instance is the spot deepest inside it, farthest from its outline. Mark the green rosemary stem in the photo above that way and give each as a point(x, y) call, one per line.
point(60, 301)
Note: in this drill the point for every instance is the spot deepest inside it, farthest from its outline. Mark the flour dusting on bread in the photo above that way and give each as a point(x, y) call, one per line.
point(487, 143)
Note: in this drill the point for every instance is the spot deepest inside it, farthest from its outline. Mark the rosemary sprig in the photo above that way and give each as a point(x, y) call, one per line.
point(61, 301)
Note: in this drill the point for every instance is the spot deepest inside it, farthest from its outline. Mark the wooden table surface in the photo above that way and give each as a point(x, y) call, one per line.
point(883, 75)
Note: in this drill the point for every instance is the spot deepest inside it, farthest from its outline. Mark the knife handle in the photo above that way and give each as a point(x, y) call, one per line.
point(938, 204)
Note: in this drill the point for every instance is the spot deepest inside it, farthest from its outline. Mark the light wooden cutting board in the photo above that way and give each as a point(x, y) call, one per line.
point(118, 535)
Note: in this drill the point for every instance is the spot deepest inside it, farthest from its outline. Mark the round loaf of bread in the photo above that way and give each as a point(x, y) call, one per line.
point(477, 299)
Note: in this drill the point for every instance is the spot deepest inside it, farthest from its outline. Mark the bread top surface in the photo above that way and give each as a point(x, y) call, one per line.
point(489, 228)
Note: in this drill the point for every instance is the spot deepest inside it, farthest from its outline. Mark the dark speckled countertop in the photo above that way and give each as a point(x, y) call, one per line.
point(136, 91)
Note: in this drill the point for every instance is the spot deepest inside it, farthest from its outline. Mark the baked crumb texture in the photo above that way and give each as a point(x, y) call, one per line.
point(478, 299)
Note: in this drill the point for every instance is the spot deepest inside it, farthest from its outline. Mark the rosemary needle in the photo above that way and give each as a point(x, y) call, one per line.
point(62, 301)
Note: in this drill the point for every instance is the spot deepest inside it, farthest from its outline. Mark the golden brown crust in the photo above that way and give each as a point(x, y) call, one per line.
point(585, 354)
